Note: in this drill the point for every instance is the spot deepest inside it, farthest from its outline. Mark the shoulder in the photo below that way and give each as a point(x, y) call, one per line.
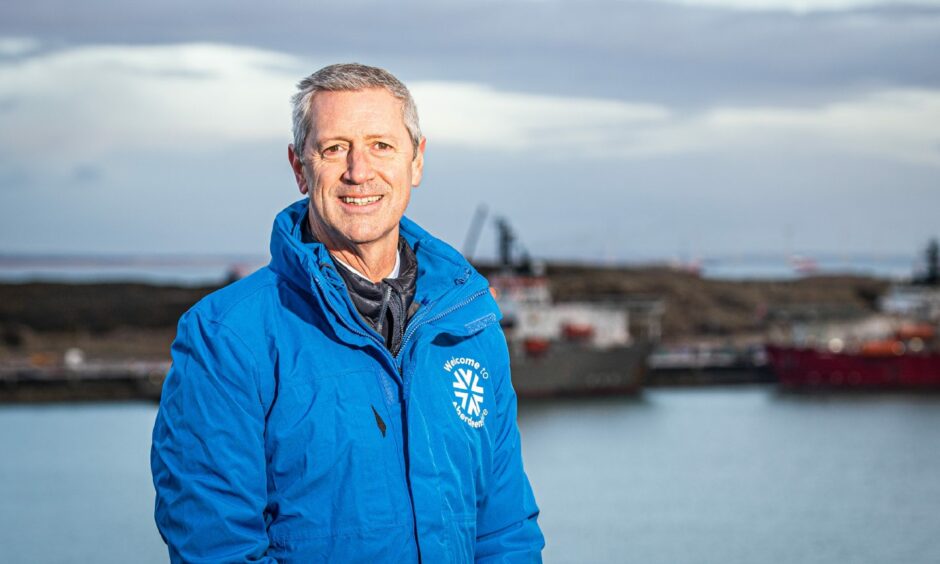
point(240, 301)
point(221, 342)
point(249, 312)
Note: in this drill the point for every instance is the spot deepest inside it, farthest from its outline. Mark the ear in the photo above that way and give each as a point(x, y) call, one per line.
point(417, 164)
point(298, 167)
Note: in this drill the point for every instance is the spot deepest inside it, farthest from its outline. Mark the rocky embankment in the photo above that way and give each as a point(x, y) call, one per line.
point(696, 306)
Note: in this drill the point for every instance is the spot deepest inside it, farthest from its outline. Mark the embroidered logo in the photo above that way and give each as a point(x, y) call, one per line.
point(469, 376)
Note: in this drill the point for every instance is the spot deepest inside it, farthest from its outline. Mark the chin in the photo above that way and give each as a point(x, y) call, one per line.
point(366, 236)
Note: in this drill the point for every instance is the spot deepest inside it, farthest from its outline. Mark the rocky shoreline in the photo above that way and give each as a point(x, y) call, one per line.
point(111, 322)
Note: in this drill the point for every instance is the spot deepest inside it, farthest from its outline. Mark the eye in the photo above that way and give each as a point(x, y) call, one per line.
point(332, 150)
point(382, 146)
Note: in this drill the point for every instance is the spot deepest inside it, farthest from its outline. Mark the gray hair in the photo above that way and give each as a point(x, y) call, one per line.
point(344, 77)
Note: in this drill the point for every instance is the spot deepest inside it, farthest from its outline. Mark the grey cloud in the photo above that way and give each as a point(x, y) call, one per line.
point(681, 56)
point(130, 69)
point(686, 58)
point(590, 209)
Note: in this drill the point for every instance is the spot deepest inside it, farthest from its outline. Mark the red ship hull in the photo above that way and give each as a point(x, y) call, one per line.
point(809, 368)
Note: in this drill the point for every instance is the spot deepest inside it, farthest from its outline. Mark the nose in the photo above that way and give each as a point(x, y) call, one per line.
point(358, 167)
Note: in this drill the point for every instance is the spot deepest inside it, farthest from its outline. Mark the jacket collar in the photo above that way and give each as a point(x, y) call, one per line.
point(444, 279)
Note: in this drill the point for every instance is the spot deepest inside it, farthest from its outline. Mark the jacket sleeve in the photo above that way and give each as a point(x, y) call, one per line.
point(207, 457)
point(507, 526)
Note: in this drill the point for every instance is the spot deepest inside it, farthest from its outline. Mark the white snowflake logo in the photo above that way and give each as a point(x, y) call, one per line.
point(470, 378)
point(468, 390)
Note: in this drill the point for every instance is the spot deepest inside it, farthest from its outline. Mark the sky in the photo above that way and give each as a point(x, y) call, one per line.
point(603, 130)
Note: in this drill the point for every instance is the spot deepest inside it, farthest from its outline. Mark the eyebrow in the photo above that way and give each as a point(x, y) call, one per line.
point(369, 137)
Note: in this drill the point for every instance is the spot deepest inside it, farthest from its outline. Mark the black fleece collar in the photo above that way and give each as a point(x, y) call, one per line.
point(388, 305)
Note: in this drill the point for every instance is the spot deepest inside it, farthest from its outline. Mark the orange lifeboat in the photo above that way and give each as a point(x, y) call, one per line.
point(882, 348)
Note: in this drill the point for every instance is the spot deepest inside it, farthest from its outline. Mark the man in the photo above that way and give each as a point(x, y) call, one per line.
point(351, 401)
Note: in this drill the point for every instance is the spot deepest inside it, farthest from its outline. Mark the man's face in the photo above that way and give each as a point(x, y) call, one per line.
point(358, 167)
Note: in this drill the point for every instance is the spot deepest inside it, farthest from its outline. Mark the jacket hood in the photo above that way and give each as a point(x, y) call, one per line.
point(444, 275)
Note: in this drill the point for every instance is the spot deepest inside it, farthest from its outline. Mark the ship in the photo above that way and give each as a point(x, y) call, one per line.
point(897, 348)
point(908, 359)
point(563, 349)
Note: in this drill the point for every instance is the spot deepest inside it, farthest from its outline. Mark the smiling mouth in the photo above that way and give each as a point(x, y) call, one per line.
point(364, 201)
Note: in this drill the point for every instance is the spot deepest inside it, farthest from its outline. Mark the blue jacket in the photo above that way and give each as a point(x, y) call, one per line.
point(288, 433)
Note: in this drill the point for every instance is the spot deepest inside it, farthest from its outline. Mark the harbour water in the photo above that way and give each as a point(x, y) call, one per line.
point(726, 475)
point(215, 269)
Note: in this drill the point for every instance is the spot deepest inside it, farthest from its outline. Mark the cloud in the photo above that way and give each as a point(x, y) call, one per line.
point(104, 144)
point(696, 54)
point(892, 124)
point(88, 104)
point(15, 46)
point(77, 105)
point(485, 118)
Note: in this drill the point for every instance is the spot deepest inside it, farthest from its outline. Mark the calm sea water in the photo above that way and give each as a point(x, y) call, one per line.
point(709, 475)
point(215, 269)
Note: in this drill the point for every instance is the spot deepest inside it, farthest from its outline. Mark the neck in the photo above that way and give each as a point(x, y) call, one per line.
point(375, 260)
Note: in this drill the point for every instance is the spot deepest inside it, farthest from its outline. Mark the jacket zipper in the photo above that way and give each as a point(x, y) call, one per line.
point(397, 363)
point(413, 327)
point(384, 310)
